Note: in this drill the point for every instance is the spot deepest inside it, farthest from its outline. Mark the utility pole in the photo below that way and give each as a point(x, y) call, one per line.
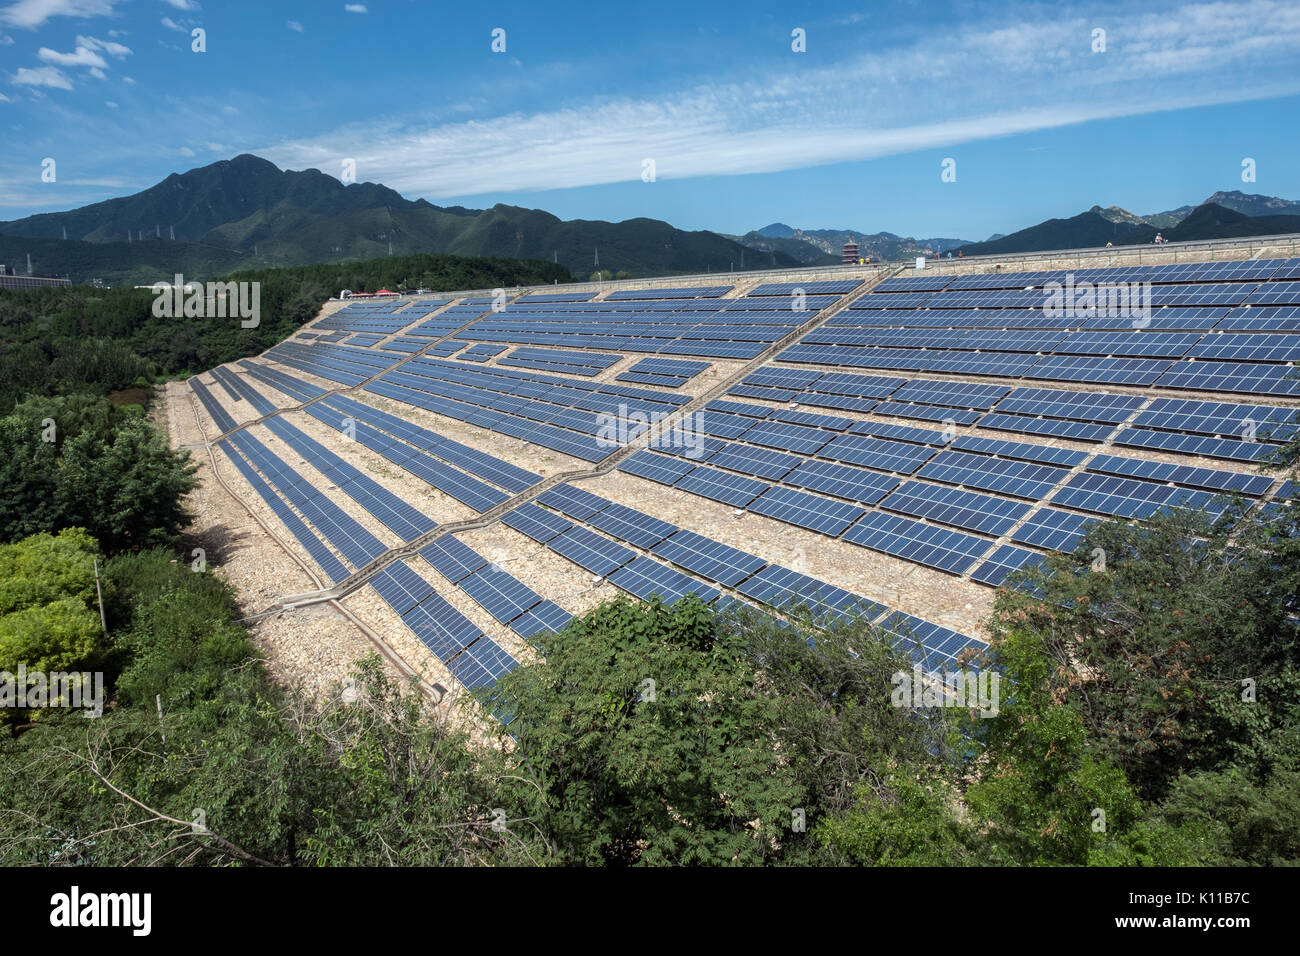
point(103, 621)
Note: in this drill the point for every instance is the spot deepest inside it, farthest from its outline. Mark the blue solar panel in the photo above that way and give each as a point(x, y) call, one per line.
point(628, 524)
point(965, 509)
point(879, 453)
point(544, 618)
point(1182, 474)
point(440, 627)
point(499, 593)
point(660, 468)
point(712, 559)
point(589, 550)
point(645, 578)
point(482, 664)
point(935, 648)
point(843, 481)
point(759, 462)
point(1019, 478)
point(1004, 562)
point(536, 522)
point(785, 589)
point(401, 587)
point(806, 510)
point(735, 490)
point(574, 502)
point(452, 558)
point(1053, 529)
point(951, 551)
point(1125, 497)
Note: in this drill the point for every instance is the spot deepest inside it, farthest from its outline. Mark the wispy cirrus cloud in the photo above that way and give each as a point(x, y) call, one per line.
point(355, 8)
point(939, 91)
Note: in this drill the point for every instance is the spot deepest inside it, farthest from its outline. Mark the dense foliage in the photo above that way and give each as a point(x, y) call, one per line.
point(1149, 714)
point(77, 461)
point(83, 339)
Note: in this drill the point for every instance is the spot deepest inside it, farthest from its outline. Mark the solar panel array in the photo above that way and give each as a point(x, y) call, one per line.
point(1198, 326)
point(950, 471)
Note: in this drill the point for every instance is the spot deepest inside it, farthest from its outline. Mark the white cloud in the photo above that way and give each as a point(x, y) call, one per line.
point(294, 25)
point(82, 56)
point(186, 151)
point(355, 8)
point(946, 88)
point(97, 73)
point(171, 24)
point(50, 76)
point(108, 46)
point(30, 14)
point(110, 104)
point(6, 40)
point(129, 81)
point(183, 4)
point(3, 98)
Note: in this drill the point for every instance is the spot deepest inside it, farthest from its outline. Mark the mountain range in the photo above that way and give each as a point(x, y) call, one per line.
point(247, 213)
point(260, 215)
point(1222, 216)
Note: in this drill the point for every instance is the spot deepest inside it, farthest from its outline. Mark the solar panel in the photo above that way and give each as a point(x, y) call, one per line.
point(806, 510)
point(882, 453)
point(587, 549)
point(646, 578)
point(1181, 474)
point(401, 587)
point(1019, 478)
point(659, 468)
point(786, 589)
point(843, 481)
point(1004, 562)
point(440, 627)
point(574, 502)
point(935, 648)
point(481, 664)
point(628, 524)
point(759, 462)
point(1053, 529)
point(933, 546)
point(1025, 451)
point(712, 559)
point(536, 522)
point(452, 558)
point(965, 509)
point(544, 618)
point(499, 593)
point(1124, 497)
point(735, 490)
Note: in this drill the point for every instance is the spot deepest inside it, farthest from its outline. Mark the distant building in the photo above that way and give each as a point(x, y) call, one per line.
point(850, 256)
point(12, 280)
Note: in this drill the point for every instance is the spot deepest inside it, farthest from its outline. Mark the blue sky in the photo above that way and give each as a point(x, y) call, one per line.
point(742, 129)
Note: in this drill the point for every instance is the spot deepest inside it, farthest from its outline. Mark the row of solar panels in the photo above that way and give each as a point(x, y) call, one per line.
point(1259, 378)
point(679, 561)
point(1239, 432)
point(667, 373)
point(1190, 272)
point(868, 464)
point(570, 416)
